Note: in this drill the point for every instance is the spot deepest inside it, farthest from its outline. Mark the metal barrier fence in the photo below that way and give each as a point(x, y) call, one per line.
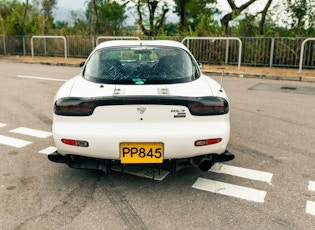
point(205, 49)
point(272, 52)
point(45, 46)
point(106, 38)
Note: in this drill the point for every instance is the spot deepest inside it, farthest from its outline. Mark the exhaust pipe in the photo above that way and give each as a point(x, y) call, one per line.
point(204, 163)
point(58, 158)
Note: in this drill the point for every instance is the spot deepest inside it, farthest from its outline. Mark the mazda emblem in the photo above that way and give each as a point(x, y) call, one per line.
point(141, 110)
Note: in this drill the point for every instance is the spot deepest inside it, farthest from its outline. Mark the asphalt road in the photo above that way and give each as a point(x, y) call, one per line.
point(269, 185)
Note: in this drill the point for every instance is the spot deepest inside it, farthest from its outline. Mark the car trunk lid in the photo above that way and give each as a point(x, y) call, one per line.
point(84, 88)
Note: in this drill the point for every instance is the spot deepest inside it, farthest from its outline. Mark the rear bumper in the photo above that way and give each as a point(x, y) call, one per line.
point(178, 138)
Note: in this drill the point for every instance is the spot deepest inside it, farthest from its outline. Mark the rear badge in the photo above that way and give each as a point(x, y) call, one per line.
point(141, 110)
point(179, 113)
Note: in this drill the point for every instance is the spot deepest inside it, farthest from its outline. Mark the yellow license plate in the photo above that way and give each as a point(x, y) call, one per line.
point(141, 153)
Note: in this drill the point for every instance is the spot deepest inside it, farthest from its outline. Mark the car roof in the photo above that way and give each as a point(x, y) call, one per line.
point(120, 43)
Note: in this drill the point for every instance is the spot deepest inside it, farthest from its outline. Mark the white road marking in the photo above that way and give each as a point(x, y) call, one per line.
point(311, 186)
point(18, 143)
point(48, 150)
point(242, 172)
point(230, 190)
point(2, 125)
point(31, 132)
point(310, 207)
point(41, 78)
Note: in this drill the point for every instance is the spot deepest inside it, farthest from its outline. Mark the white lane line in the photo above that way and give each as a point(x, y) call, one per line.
point(310, 207)
point(48, 150)
point(13, 141)
point(311, 186)
point(31, 132)
point(230, 190)
point(40, 78)
point(2, 125)
point(242, 172)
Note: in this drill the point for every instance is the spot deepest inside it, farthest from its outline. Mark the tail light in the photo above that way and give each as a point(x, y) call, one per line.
point(198, 106)
point(74, 107)
point(208, 106)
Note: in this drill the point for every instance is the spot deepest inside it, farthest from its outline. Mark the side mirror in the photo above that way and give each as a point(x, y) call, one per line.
point(200, 65)
point(82, 64)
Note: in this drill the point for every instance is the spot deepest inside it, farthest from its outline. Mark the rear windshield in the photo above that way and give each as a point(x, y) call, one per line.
point(141, 65)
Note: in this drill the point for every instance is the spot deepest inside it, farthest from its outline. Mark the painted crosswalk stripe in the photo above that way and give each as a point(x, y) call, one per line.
point(48, 150)
point(311, 186)
point(242, 172)
point(31, 132)
point(18, 143)
point(230, 190)
point(310, 207)
point(2, 125)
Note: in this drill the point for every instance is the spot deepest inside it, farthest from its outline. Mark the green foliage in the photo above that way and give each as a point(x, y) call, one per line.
point(108, 18)
point(151, 15)
point(207, 27)
point(193, 14)
point(12, 23)
point(111, 17)
point(196, 18)
point(246, 27)
point(301, 16)
point(169, 29)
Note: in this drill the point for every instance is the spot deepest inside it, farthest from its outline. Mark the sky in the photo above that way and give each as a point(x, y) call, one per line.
point(222, 4)
point(72, 4)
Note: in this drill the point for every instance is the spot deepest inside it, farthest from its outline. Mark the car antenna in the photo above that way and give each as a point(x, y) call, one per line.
point(221, 80)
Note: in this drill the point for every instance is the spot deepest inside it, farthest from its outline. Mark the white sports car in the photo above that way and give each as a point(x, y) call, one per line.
point(141, 102)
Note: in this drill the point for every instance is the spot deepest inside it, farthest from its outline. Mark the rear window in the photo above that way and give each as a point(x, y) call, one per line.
point(141, 65)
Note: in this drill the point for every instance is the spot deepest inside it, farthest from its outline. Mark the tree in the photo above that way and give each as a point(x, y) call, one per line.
point(236, 11)
point(263, 17)
point(47, 19)
point(251, 25)
point(48, 6)
point(154, 8)
point(94, 17)
point(181, 10)
point(105, 16)
point(193, 12)
point(11, 18)
point(302, 15)
point(111, 17)
point(25, 12)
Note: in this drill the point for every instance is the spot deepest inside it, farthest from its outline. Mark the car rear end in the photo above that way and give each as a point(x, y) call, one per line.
point(142, 120)
point(142, 123)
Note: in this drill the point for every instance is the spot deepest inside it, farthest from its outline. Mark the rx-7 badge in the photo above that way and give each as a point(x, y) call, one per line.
point(179, 113)
point(141, 110)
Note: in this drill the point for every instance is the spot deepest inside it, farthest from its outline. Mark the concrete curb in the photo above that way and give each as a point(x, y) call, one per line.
point(262, 76)
point(53, 63)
